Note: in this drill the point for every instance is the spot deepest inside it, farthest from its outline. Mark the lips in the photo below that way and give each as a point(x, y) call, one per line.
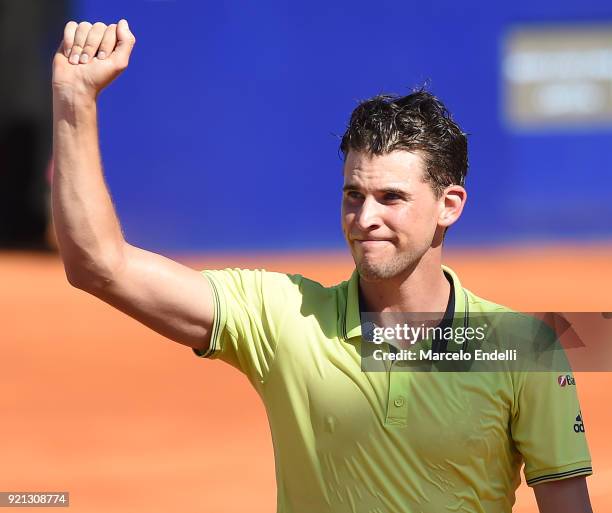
point(372, 242)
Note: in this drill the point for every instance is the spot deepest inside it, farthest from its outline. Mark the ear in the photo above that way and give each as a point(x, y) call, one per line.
point(452, 202)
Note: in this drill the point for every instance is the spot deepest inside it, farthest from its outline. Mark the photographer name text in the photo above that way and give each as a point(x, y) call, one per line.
point(430, 355)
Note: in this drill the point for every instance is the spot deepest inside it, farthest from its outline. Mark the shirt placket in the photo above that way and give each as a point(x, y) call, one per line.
point(397, 398)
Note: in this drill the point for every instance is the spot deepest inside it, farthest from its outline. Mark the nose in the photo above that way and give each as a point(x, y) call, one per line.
point(367, 216)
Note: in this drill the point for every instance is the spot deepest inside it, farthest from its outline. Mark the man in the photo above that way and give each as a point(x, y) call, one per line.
point(345, 440)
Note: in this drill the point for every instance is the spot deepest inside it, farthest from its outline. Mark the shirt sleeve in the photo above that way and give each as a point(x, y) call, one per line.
point(548, 428)
point(249, 309)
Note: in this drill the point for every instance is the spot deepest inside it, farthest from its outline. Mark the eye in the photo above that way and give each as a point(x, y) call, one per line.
point(392, 196)
point(354, 195)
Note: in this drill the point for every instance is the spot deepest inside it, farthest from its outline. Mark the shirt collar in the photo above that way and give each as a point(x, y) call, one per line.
point(352, 318)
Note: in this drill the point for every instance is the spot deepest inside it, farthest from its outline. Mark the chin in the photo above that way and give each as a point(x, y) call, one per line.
point(384, 270)
point(377, 272)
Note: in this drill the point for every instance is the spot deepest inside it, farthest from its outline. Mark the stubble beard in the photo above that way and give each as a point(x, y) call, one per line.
point(378, 270)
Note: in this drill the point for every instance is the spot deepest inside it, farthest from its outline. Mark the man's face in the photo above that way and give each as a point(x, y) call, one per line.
point(389, 213)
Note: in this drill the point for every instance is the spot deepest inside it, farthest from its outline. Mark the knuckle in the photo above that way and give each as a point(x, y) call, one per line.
point(109, 34)
point(85, 25)
point(72, 24)
point(99, 25)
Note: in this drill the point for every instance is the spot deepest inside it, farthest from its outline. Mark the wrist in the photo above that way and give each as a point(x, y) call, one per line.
point(73, 97)
point(73, 107)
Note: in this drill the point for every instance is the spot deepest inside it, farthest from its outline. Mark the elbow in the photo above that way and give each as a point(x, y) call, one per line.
point(92, 276)
point(81, 278)
point(86, 280)
point(74, 277)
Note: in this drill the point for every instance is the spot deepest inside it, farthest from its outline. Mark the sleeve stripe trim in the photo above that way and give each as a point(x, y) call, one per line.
point(215, 333)
point(559, 475)
point(215, 330)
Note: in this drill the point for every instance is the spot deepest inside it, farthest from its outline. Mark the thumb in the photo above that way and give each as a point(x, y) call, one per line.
point(125, 42)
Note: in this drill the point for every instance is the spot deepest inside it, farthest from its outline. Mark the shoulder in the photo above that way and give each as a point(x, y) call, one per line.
point(521, 322)
point(270, 285)
point(536, 337)
point(501, 315)
point(481, 305)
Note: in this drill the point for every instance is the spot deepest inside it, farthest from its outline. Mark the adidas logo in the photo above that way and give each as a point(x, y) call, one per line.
point(566, 379)
point(579, 426)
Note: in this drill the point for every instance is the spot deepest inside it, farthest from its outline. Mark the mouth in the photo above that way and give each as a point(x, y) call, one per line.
point(371, 242)
point(371, 239)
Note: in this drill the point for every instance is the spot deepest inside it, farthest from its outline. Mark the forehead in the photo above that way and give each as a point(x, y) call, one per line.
point(374, 171)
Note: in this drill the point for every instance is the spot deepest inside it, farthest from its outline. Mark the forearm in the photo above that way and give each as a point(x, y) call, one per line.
point(88, 231)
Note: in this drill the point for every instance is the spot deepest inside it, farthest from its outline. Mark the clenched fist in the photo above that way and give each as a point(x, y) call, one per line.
point(91, 56)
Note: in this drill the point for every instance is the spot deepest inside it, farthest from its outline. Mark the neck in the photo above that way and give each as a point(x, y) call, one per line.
point(422, 288)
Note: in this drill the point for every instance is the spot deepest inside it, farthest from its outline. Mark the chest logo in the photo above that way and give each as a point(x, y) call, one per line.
point(579, 426)
point(565, 380)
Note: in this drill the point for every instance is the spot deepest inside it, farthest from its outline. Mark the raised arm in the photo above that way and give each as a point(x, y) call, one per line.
point(170, 298)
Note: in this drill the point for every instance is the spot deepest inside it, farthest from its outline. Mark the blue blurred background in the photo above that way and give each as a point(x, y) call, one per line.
point(223, 133)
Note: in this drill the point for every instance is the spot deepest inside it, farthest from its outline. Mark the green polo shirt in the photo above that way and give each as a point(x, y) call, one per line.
point(346, 440)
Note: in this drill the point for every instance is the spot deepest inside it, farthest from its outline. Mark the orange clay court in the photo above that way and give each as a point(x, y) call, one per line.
point(95, 404)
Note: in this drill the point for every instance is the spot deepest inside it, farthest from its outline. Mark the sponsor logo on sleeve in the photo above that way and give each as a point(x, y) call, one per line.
point(566, 380)
point(579, 426)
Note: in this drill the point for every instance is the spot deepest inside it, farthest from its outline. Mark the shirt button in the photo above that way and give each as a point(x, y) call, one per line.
point(399, 401)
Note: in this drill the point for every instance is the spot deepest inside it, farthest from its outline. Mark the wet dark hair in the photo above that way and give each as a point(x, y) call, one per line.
point(417, 122)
